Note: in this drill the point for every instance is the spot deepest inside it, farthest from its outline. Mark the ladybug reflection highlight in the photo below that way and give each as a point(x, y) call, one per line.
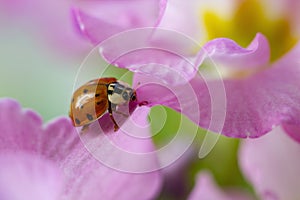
point(93, 99)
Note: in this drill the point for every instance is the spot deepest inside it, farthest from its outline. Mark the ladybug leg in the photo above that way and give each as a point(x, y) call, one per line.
point(85, 128)
point(110, 106)
point(114, 109)
point(118, 112)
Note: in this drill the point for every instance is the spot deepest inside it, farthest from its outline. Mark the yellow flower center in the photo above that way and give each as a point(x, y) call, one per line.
point(249, 18)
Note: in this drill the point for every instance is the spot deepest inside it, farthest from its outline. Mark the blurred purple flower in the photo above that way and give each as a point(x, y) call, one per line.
point(206, 189)
point(50, 162)
point(271, 164)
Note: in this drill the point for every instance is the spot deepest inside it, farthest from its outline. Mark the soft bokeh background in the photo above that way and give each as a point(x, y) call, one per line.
point(31, 72)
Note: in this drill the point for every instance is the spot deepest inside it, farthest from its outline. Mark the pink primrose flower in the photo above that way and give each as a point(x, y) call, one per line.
point(258, 95)
point(50, 161)
point(255, 95)
point(271, 164)
point(251, 98)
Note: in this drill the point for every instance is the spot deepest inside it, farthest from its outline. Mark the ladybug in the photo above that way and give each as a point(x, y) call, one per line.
point(94, 98)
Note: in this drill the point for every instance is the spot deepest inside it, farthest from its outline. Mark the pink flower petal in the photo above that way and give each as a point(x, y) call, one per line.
point(187, 22)
point(257, 104)
point(100, 20)
point(252, 106)
point(151, 55)
point(84, 176)
point(19, 129)
point(206, 189)
point(131, 146)
point(293, 131)
point(230, 54)
point(175, 64)
point(271, 163)
point(190, 99)
point(90, 178)
point(25, 176)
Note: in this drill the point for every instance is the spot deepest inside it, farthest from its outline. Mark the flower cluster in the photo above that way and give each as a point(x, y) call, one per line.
point(239, 83)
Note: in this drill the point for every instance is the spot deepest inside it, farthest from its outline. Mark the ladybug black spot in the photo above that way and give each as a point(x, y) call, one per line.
point(99, 103)
point(77, 121)
point(97, 95)
point(90, 117)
